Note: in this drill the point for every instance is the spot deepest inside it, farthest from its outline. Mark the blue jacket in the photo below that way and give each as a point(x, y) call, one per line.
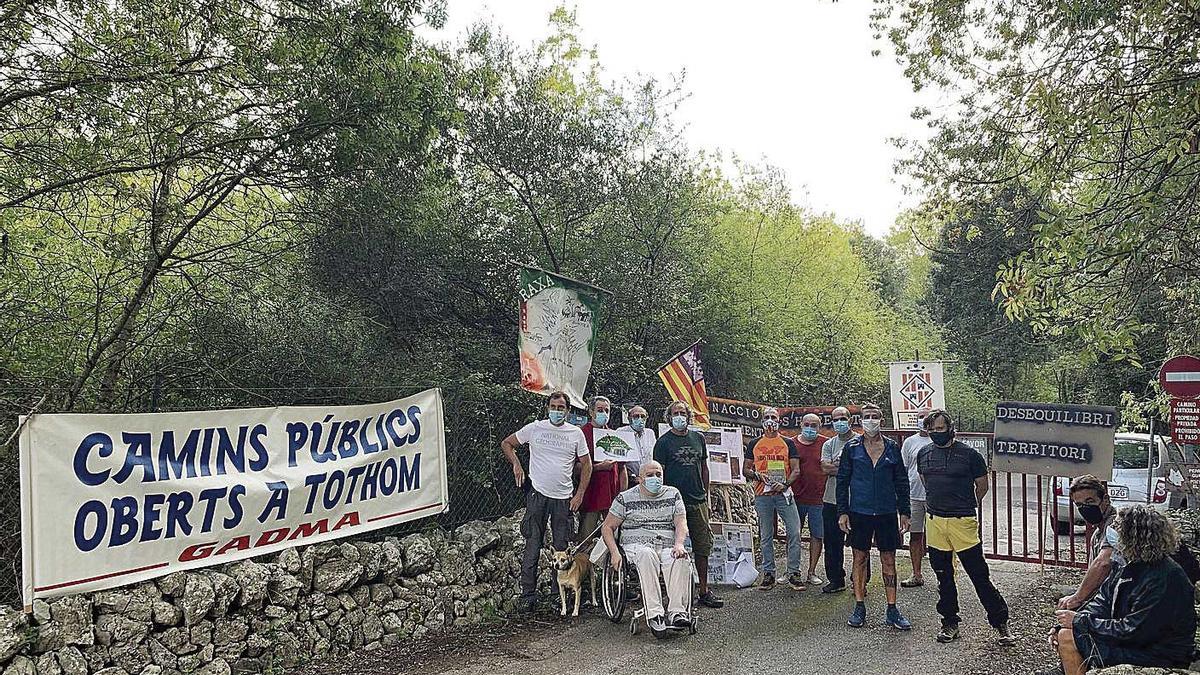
point(881, 489)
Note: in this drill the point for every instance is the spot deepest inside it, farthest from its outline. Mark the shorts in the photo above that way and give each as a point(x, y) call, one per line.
point(883, 528)
point(698, 529)
point(916, 524)
point(812, 515)
point(952, 534)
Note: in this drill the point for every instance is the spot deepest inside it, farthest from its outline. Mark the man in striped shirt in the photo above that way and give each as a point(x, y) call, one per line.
point(653, 524)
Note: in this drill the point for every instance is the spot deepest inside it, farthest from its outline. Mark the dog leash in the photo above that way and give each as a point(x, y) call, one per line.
point(575, 548)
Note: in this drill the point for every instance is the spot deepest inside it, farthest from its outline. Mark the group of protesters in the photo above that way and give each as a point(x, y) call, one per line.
point(862, 489)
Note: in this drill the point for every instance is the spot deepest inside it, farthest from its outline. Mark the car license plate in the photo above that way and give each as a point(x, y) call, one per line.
point(1118, 492)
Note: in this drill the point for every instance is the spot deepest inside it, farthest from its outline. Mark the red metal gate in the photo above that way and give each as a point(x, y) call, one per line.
point(1022, 514)
point(1050, 539)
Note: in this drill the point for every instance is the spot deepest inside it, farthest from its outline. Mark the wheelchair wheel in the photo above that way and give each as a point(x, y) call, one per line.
point(612, 591)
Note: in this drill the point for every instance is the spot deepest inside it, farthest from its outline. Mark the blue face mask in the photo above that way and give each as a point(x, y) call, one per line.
point(679, 422)
point(637, 424)
point(653, 484)
point(808, 434)
point(557, 416)
point(601, 419)
point(841, 426)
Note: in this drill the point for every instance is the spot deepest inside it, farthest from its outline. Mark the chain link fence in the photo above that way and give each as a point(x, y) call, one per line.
point(480, 480)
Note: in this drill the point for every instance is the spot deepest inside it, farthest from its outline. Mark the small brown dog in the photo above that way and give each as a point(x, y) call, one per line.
point(572, 573)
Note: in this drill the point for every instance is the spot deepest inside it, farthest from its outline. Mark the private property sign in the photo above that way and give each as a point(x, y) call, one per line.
point(1185, 421)
point(108, 500)
point(1054, 439)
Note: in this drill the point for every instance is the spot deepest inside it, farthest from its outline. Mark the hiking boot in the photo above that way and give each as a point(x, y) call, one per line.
point(796, 581)
point(1006, 638)
point(527, 606)
point(913, 582)
point(896, 620)
point(710, 599)
point(948, 633)
point(833, 588)
point(768, 582)
point(858, 617)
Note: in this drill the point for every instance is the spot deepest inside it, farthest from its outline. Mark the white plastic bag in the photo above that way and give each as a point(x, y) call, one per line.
point(598, 552)
point(744, 571)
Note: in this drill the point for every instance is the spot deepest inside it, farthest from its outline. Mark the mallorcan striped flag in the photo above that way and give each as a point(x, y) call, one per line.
point(683, 376)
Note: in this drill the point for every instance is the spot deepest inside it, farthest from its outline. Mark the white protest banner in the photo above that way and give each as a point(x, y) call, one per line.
point(916, 386)
point(616, 446)
point(108, 500)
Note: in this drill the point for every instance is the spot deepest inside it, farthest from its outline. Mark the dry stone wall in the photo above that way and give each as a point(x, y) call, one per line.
point(273, 613)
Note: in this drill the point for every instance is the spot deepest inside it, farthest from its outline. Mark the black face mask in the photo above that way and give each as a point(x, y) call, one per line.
point(1091, 513)
point(942, 438)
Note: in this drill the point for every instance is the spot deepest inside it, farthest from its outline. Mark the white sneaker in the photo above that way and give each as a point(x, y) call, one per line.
point(814, 580)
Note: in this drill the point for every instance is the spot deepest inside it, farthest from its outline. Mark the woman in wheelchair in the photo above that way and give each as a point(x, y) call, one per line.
point(653, 525)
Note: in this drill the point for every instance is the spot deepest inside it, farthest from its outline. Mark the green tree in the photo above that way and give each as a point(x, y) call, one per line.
point(1094, 109)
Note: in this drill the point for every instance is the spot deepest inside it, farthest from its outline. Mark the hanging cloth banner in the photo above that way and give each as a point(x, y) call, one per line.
point(559, 320)
point(109, 500)
point(916, 386)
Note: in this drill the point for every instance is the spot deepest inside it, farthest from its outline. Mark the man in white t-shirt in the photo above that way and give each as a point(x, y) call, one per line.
point(916, 490)
point(554, 446)
point(644, 440)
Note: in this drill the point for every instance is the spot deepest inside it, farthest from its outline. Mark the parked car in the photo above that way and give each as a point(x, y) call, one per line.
point(1135, 480)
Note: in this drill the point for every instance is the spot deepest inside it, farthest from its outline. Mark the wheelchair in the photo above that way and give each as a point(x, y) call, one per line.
point(614, 586)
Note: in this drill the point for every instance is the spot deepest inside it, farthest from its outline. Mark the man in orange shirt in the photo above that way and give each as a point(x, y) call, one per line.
point(773, 463)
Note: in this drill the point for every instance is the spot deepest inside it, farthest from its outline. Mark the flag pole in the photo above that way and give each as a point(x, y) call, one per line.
point(571, 279)
point(680, 353)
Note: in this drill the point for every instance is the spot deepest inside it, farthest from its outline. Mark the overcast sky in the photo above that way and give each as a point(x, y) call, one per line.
point(791, 81)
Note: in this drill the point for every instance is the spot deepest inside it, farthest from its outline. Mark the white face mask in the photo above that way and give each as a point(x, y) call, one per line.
point(870, 426)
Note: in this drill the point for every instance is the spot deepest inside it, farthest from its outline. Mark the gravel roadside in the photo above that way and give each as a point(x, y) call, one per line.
point(776, 631)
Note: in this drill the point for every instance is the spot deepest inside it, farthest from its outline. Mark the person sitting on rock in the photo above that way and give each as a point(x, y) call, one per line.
point(653, 523)
point(1142, 615)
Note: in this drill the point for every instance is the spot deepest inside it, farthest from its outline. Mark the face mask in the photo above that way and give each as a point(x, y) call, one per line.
point(1091, 513)
point(808, 434)
point(941, 438)
point(841, 426)
point(770, 425)
point(637, 424)
point(679, 422)
point(870, 426)
point(557, 416)
point(601, 419)
point(653, 484)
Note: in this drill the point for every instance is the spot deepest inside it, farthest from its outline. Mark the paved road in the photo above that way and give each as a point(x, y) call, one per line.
point(779, 631)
